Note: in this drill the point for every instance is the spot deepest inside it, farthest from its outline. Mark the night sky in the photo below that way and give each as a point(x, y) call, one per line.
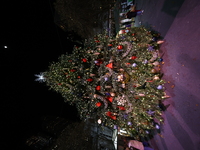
point(33, 40)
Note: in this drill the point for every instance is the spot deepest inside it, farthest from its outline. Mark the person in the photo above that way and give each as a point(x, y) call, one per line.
point(133, 12)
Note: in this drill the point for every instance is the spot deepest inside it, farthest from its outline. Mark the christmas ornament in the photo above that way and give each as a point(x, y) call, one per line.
point(109, 114)
point(99, 121)
point(160, 87)
point(157, 126)
point(160, 59)
point(98, 104)
point(72, 70)
point(156, 78)
point(110, 99)
point(160, 42)
point(150, 48)
point(84, 60)
point(156, 63)
point(98, 87)
point(133, 57)
point(106, 78)
point(95, 95)
point(79, 77)
point(96, 53)
point(134, 65)
point(112, 94)
point(89, 80)
point(129, 123)
point(153, 71)
point(121, 107)
point(110, 65)
point(120, 47)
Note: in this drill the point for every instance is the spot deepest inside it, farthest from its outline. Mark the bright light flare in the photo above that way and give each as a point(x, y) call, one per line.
point(40, 77)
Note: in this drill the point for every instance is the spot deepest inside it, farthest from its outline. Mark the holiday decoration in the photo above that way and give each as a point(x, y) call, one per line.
point(84, 60)
point(110, 65)
point(120, 47)
point(98, 88)
point(115, 81)
point(98, 104)
point(153, 70)
point(89, 80)
point(159, 87)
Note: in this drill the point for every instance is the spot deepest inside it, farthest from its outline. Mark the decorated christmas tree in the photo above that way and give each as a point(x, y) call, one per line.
point(115, 81)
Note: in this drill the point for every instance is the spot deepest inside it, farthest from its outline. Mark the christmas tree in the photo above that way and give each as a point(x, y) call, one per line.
point(116, 81)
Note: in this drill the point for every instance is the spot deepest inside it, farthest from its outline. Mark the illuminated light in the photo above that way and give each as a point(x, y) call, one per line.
point(40, 77)
point(5, 46)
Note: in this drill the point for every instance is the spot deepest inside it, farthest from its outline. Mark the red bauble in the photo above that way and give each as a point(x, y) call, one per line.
point(110, 99)
point(109, 114)
point(72, 70)
point(98, 104)
point(113, 117)
point(84, 60)
point(120, 47)
point(89, 80)
point(97, 41)
point(98, 88)
point(110, 65)
point(121, 107)
point(133, 57)
point(110, 45)
point(79, 77)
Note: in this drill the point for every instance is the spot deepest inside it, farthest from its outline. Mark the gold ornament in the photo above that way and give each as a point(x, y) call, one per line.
point(112, 94)
point(156, 78)
point(153, 71)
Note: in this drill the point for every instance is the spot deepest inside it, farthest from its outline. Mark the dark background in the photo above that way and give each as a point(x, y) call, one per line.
point(33, 40)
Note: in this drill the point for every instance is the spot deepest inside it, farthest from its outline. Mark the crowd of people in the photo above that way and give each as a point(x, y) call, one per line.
point(132, 13)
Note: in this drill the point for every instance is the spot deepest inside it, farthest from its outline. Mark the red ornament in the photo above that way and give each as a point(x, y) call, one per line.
point(98, 88)
point(98, 62)
point(79, 77)
point(84, 60)
point(72, 70)
point(97, 41)
point(110, 99)
point(120, 47)
point(133, 34)
point(133, 57)
point(109, 114)
point(110, 45)
point(59, 84)
point(113, 117)
point(110, 65)
point(89, 80)
point(98, 104)
point(121, 107)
